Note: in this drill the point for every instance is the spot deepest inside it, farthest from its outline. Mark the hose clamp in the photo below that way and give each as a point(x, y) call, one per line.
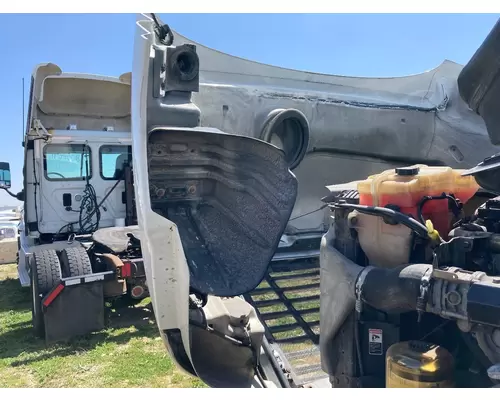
point(424, 292)
point(358, 289)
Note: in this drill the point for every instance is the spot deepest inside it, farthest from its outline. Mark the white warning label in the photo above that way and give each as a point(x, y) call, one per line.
point(375, 342)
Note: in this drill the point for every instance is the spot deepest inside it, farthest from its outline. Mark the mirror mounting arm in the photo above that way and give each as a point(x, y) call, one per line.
point(19, 196)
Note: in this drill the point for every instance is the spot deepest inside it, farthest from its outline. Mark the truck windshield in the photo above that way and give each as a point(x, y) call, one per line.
point(67, 162)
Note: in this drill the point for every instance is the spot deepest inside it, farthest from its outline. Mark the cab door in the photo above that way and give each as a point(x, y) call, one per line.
point(112, 160)
point(78, 176)
point(65, 170)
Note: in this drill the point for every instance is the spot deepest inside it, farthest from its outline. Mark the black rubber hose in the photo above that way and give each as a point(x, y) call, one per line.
point(357, 339)
point(396, 216)
point(393, 290)
point(452, 201)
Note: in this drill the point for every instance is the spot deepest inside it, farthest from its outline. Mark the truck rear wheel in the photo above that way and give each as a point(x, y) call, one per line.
point(36, 307)
point(48, 270)
point(45, 274)
point(75, 262)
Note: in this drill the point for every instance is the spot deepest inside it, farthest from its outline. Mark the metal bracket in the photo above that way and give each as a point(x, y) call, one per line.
point(38, 126)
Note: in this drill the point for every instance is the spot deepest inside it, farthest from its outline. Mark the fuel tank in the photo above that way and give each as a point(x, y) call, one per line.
point(338, 129)
point(418, 365)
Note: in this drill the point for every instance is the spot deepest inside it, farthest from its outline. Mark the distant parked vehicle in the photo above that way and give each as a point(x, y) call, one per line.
point(9, 236)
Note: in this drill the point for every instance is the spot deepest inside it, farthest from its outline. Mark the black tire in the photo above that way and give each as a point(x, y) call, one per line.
point(48, 270)
point(36, 308)
point(75, 262)
point(45, 274)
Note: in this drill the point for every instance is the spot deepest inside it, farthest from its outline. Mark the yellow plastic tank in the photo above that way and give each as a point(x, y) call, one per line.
point(417, 364)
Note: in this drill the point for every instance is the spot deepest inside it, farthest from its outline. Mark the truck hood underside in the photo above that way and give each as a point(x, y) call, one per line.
point(230, 197)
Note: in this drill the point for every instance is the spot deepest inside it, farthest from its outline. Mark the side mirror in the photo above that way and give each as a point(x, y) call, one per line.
point(4, 175)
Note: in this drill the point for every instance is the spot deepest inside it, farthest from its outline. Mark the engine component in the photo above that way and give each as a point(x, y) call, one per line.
point(417, 191)
point(389, 299)
point(397, 244)
point(488, 215)
point(402, 277)
point(453, 293)
point(400, 196)
point(417, 364)
point(488, 340)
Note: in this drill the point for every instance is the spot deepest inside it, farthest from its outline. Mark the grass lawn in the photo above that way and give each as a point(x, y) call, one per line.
point(129, 353)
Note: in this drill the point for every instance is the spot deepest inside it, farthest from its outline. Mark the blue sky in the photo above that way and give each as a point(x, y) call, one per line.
point(344, 44)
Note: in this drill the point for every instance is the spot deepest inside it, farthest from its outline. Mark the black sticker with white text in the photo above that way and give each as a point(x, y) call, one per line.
point(375, 346)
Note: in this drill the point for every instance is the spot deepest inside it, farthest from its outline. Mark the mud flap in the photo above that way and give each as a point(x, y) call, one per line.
point(74, 307)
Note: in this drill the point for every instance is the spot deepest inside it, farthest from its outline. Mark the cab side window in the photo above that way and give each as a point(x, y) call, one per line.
point(112, 160)
point(67, 162)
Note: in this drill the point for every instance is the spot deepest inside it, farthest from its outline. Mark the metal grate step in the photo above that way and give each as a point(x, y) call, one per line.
point(287, 289)
point(266, 303)
point(307, 369)
point(287, 302)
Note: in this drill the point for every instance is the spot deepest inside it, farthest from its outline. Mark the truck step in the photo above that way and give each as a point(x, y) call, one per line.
point(295, 339)
point(24, 277)
point(287, 302)
point(297, 276)
point(287, 289)
point(266, 303)
point(289, 327)
point(307, 369)
point(298, 355)
point(295, 265)
point(281, 314)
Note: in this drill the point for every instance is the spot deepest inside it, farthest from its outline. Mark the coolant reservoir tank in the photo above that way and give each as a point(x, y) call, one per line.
point(405, 188)
point(417, 364)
